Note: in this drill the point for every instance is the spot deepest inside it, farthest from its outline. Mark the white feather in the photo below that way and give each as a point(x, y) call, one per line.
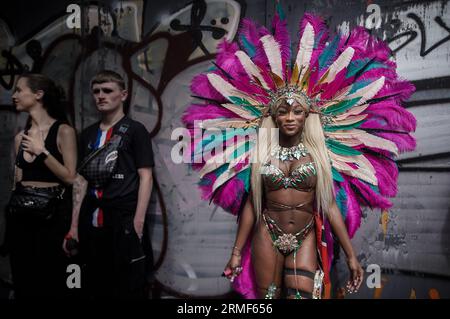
point(305, 49)
point(353, 111)
point(219, 158)
point(221, 123)
point(341, 62)
point(365, 170)
point(346, 120)
point(228, 90)
point(251, 68)
point(239, 110)
point(366, 139)
point(367, 92)
point(273, 53)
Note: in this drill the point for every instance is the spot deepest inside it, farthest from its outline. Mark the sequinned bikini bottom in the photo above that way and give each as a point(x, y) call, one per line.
point(286, 243)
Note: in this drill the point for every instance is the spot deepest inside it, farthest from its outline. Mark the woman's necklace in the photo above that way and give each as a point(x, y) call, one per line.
point(290, 153)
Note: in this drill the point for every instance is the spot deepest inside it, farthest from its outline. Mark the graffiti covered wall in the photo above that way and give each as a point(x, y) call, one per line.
point(410, 242)
point(159, 46)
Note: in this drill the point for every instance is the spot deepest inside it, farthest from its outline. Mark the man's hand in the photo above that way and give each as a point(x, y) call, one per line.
point(71, 235)
point(138, 227)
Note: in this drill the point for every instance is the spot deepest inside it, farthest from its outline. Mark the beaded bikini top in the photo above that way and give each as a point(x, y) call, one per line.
point(302, 177)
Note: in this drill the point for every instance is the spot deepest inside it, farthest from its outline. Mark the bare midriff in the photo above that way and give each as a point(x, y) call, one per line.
point(293, 219)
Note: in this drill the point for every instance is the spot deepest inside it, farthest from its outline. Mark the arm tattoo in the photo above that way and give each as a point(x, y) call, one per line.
point(79, 190)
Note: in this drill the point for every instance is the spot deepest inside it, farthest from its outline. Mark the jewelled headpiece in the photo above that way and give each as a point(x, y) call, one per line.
point(289, 93)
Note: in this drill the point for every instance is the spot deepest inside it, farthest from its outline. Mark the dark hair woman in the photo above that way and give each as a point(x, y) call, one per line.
point(38, 213)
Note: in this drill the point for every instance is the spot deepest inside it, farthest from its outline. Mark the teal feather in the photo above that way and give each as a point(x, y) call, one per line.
point(341, 107)
point(219, 171)
point(207, 143)
point(245, 177)
point(340, 148)
point(204, 182)
point(239, 101)
point(280, 11)
point(252, 110)
point(331, 128)
point(328, 54)
point(317, 39)
point(360, 84)
point(246, 105)
point(356, 65)
point(341, 199)
point(336, 175)
point(248, 47)
point(210, 142)
point(241, 150)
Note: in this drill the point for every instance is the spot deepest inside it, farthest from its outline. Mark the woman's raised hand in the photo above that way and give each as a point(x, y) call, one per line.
point(33, 144)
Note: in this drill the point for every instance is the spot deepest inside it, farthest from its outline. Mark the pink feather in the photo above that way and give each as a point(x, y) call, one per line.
point(353, 215)
point(245, 283)
point(281, 35)
point(205, 112)
point(200, 86)
point(392, 115)
point(375, 199)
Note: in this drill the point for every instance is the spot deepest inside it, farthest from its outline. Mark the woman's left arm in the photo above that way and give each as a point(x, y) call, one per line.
point(67, 145)
point(340, 230)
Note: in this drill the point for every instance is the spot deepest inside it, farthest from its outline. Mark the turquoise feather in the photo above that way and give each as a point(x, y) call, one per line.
point(208, 142)
point(359, 85)
point(340, 148)
point(241, 150)
point(328, 54)
point(248, 47)
point(341, 200)
point(356, 65)
point(246, 105)
point(245, 177)
point(330, 128)
point(219, 171)
point(280, 11)
point(341, 107)
point(336, 175)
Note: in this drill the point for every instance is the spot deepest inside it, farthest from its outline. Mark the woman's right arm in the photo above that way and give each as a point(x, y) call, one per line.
point(246, 223)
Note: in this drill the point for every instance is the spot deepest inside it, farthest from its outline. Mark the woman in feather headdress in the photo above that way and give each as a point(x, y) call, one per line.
point(340, 124)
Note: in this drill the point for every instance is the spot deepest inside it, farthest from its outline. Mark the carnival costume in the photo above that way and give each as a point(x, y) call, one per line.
point(349, 80)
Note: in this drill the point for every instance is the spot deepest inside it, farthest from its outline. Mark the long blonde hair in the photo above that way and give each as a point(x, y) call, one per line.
point(314, 140)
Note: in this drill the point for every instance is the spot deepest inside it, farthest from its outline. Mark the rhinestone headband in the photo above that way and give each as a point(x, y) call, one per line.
point(289, 92)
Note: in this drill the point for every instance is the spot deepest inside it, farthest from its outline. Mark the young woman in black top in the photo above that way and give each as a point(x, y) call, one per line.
point(46, 161)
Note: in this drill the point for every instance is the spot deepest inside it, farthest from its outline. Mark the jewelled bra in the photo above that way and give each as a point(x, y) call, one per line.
point(302, 178)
